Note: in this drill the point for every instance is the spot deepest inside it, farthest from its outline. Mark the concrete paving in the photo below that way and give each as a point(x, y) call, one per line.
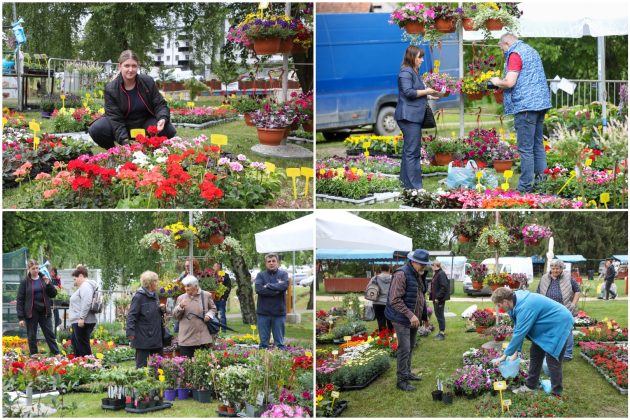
point(284, 151)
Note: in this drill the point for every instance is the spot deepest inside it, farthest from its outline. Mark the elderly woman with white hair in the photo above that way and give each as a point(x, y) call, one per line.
point(190, 308)
point(561, 287)
point(144, 320)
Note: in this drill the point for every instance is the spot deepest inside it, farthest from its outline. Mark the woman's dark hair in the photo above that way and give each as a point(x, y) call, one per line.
point(411, 53)
point(385, 268)
point(80, 270)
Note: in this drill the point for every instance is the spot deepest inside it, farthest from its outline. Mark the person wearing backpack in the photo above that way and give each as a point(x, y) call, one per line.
point(382, 280)
point(82, 319)
point(33, 306)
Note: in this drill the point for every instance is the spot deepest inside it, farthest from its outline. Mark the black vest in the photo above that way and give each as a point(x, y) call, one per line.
point(410, 298)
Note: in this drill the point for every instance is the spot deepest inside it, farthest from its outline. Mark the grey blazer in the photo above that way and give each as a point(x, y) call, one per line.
point(410, 107)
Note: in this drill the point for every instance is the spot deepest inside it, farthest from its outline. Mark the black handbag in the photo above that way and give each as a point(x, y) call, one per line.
point(429, 118)
point(213, 325)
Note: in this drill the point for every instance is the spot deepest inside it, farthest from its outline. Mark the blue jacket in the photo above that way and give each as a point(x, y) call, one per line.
point(410, 107)
point(544, 321)
point(531, 92)
point(271, 288)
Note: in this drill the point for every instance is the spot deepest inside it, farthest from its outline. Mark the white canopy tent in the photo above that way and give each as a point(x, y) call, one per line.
point(296, 235)
point(560, 19)
point(343, 230)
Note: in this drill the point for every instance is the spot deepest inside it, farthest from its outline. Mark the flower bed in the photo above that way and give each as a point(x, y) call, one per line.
point(72, 120)
point(201, 115)
point(605, 331)
point(20, 157)
point(582, 319)
point(376, 145)
point(610, 360)
point(355, 369)
point(375, 164)
point(352, 183)
point(530, 405)
point(157, 172)
point(488, 199)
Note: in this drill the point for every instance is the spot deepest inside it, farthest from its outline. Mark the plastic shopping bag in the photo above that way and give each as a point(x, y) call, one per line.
point(462, 177)
point(545, 384)
point(509, 368)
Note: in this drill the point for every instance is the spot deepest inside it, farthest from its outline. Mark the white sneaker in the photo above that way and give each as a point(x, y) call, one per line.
point(522, 390)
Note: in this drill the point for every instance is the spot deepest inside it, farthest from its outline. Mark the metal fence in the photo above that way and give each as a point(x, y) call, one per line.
point(587, 91)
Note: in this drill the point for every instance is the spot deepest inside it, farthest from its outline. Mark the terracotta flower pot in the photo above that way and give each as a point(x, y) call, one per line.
point(286, 45)
point(498, 96)
point(467, 24)
point(477, 285)
point(415, 28)
point(502, 165)
point(182, 244)
point(474, 96)
point(270, 136)
point(248, 119)
point(308, 126)
point(492, 241)
point(222, 408)
point(481, 329)
point(495, 286)
point(463, 239)
point(163, 299)
point(203, 245)
point(494, 24)
point(231, 410)
point(445, 26)
point(265, 46)
point(443, 158)
point(216, 239)
point(155, 246)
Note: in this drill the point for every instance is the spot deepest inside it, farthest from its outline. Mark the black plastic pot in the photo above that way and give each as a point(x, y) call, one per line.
point(436, 395)
point(447, 398)
point(204, 396)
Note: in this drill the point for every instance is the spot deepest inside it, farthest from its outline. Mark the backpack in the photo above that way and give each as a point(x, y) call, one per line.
point(96, 306)
point(372, 291)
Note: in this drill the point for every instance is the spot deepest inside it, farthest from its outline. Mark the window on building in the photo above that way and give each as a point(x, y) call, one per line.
point(168, 58)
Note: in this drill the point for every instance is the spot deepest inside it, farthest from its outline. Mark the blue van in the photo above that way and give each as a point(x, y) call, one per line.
point(358, 59)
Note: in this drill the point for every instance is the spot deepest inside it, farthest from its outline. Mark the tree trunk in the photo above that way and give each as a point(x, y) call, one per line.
point(244, 290)
point(309, 305)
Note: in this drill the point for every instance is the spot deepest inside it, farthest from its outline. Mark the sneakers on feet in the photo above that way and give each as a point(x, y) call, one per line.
point(439, 337)
point(413, 377)
point(522, 389)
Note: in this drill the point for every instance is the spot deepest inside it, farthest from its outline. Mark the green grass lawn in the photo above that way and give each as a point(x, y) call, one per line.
point(241, 138)
point(584, 389)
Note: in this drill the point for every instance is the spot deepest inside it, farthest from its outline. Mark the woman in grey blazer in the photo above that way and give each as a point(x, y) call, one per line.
point(410, 109)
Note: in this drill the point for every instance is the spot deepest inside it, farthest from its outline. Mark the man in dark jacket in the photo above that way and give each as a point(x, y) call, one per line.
point(440, 293)
point(406, 306)
point(132, 100)
point(609, 278)
point(271, 288)
point(221, 303)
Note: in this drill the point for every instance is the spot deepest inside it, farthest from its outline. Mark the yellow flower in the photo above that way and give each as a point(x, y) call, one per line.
point(221, 273)
point(319, 398)
point(253, 327)
point(99, 356)
point(308, 354)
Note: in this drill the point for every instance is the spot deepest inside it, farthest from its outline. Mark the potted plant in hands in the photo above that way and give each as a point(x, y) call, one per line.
point(411, 17)
point(503, 155)
point(444, 83)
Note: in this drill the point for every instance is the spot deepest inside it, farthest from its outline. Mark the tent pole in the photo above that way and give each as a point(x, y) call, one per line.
point(601, 77)
point(460, 53)
point(293, 287)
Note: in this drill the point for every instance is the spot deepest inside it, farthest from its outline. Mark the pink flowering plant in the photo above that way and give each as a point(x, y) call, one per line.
point(270, 116)
point(408, 13)
point(444, 83)
point(532, 234)
point(503, 151)
point(200, 115)
point(481, 143)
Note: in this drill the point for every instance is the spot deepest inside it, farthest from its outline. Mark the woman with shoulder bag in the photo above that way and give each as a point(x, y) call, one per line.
point(145, 328)
point(193, 309)
point(410, 114)
point(382, 280)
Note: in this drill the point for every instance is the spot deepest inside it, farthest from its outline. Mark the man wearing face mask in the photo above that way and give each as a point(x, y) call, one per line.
point(546, 323)
point(406, 307)
point(271, 310)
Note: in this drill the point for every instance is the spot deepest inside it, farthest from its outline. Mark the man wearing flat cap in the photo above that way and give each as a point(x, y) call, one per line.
point(406, 307)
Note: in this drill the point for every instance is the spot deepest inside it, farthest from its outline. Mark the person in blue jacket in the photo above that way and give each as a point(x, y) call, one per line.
point(410, 110)
point(546, 323)
point(271, 309)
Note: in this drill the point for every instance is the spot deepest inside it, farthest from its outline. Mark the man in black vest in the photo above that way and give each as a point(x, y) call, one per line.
point(406, 306)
